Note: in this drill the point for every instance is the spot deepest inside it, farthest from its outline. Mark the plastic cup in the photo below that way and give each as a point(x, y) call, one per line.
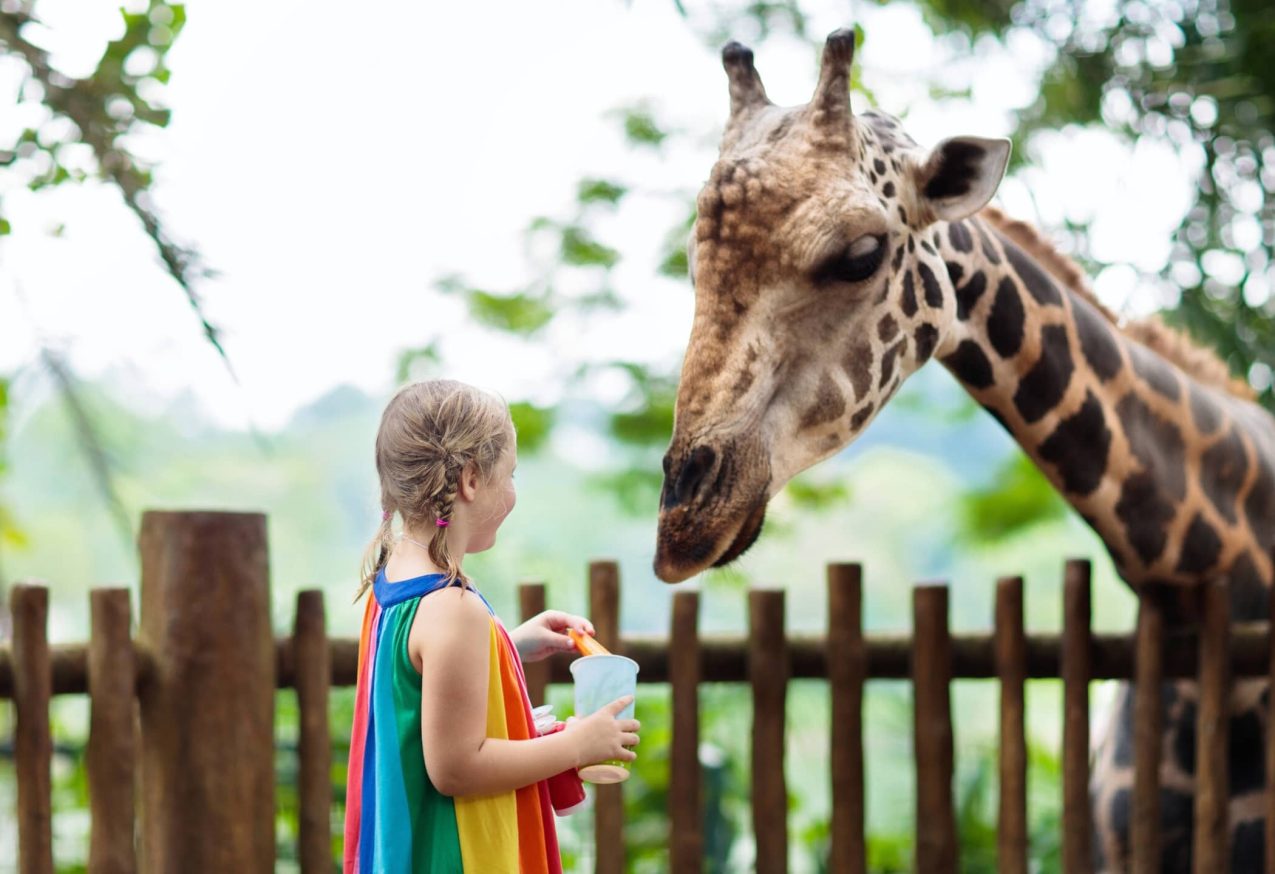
point(599, 680)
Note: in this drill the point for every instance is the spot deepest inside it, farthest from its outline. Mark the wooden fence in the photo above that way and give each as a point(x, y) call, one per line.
point(205, 664)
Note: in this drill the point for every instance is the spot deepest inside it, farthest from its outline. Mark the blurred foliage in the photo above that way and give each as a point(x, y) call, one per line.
point(88, 126)
point(1017, 498)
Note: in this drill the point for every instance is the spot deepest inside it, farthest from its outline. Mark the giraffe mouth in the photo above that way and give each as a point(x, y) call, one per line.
point(688, 544)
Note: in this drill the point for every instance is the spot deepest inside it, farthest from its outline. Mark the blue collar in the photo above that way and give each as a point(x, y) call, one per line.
point(388, 594)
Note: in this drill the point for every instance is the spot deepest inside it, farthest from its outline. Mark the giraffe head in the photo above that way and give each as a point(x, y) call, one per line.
point(817, 292)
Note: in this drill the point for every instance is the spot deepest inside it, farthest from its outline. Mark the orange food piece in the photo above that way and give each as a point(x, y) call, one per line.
point(586, 644)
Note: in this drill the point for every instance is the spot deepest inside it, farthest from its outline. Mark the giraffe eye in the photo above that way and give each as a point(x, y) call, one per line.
point(856, 263)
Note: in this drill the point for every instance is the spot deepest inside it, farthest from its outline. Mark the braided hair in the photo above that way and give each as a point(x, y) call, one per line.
point(430, 433)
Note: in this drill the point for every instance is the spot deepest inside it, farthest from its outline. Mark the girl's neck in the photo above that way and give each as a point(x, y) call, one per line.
point(410, 558)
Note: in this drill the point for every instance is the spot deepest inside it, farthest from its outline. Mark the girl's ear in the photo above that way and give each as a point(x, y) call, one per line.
point(960, 176)
point(469, 482)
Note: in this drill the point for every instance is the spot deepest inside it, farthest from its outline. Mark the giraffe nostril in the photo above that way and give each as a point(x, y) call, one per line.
point(691, 477)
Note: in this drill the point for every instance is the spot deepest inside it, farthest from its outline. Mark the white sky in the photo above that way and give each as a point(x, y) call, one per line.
point(331, 161)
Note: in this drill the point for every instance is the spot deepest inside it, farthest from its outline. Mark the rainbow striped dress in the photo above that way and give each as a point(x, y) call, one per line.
point(396, 822)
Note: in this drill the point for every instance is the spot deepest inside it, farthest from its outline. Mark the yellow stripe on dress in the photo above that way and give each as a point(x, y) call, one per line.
point(488, 824)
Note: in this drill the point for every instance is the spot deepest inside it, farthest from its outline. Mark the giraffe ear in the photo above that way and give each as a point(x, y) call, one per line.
point(960, 175)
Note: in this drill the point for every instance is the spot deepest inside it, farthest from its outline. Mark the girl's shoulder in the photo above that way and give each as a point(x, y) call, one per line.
point(451, 615)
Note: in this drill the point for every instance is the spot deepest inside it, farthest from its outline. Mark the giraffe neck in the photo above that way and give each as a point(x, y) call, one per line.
point(1176, 477)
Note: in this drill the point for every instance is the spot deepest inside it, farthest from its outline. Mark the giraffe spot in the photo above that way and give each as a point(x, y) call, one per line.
point(1244, 762)
point(1250, 594)
point(1037, 281)
point(954, 272)
point(1158, 374)
point(887, 328)
point(878, 165)
point(1119, 813)
point(1177, 812)
point(1123, 748)
point(1097, 342)
point(898, 258)
point(1223, 467)
point(925, 337)
point(925, 245)
point(967, 295)
point(970, 365)
point(888, 190)
point(887, 362)
point(1078, 447)
point(1200, 548)
point(829, 405)
point(903, 215)
point(858, 366)
point(1260, 506)
point(1145, 513)
point(911, 244)
point(1204, 410)
point(1043, 386)
point(933, 291)
point(909, 295)
point(860, 416)
point(872, 176)
point(1005, 321)
point(1248, 846)
point(778, 131)
point(960, 236)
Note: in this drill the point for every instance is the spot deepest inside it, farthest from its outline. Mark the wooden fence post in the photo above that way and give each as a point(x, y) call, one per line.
point(32, 742)
point(111, 759)
point(208, 710)
point(1076, 644)
point(531, 602)
point(608, 807)
point(1011, 666)
point(847, 668)
point(936, 849)
point(768, 671)
point(312, 662)
point(1212, 801)
point(1148, 730)
point(686, 833)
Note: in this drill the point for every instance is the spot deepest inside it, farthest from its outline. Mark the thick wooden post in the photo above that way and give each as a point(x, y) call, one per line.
point(208, 710)
point(1148, 731)
point(608, 808)
point(112, 749)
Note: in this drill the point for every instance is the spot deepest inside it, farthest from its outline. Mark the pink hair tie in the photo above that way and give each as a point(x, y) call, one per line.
point(441, 523)
point(385, 517)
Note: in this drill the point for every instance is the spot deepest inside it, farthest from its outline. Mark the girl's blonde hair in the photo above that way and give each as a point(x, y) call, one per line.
point(430, 432)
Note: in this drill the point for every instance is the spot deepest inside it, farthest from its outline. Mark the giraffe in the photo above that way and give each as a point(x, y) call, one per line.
point(831, 258)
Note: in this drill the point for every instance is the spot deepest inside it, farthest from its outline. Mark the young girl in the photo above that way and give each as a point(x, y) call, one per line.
point(446, 769)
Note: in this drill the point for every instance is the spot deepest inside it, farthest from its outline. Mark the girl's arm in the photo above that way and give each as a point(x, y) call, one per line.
point(460, 759)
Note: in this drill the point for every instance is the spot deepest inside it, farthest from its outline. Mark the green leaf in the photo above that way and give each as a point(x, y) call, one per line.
point(408, 360)
point(600, 191)
point(581, 250)
point(515, 313)
point(650, 425)
point(817, 495)
point(533, 424)
point(1020, 497)
point(641, 129)
point(5, 227)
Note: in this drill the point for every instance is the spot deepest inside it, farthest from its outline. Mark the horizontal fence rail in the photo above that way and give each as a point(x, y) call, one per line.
point(117, 671)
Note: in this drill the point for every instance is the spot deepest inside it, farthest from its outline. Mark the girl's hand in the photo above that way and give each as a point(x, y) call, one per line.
point(543, 635)
point(600, 737)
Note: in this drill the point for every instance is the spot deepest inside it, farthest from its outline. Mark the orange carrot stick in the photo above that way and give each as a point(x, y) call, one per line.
point(586, 644)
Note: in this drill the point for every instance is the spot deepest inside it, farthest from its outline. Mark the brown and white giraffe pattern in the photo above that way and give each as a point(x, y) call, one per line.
point(789, 361)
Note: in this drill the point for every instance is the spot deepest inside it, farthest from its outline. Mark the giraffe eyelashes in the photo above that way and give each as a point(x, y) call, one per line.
point(856, 263)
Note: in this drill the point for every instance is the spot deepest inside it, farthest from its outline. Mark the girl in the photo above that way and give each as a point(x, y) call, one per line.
point(446, 771)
